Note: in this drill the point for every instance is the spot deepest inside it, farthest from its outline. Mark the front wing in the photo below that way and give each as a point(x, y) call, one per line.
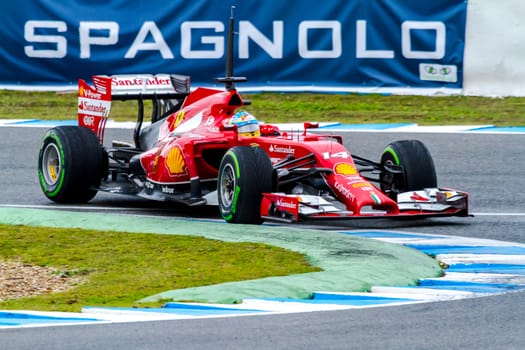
point(431, 202)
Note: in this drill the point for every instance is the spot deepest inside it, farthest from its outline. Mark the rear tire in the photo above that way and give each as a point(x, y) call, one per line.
point(418, 171)
point(245, 174)
point(70, 164)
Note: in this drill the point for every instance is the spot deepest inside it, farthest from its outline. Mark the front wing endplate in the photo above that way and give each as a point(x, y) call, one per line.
point(430, 202)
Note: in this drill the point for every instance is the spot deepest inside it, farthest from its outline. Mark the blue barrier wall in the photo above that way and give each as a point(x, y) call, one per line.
point(280, 43)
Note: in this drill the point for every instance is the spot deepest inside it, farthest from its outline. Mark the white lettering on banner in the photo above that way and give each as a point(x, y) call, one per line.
point(333, 26)
point(361, 48)
point(158, 44)
point(30, 35)
point(86, 40)
point(406, 42)
point(216, 43)
point(273, 48)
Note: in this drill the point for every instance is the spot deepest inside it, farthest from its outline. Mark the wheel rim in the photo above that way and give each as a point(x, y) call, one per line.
point(227, 185)
point(387, 179)
point(388, 182)
point(51, 164)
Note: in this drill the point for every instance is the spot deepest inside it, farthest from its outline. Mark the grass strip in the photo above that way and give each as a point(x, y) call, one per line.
point(299, 107)
point(121, 268)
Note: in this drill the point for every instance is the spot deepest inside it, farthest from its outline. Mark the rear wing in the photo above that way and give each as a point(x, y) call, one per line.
point(94, 102)
point(147, 86)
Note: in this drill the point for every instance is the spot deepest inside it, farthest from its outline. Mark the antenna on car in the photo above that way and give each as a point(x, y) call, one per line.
point(229, 79)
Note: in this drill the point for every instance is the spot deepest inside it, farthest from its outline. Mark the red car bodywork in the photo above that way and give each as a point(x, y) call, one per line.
point(192, 140)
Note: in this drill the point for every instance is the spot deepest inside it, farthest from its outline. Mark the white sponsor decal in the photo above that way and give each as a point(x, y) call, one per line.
point(149, 185)
point(89, 120)
point(123, 82)
point(344, 191)
point(95, 108)
point(438, 72)
point(91, 94)
point(284, 204)
point(168, 190)
point(209, 121)
point(281, 149)
point(343, 154)
point(353, 179)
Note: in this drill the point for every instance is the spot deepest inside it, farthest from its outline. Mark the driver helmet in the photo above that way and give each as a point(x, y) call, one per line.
point(247, 124)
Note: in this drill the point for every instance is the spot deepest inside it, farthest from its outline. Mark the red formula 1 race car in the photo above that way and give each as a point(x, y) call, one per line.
point(200, 149)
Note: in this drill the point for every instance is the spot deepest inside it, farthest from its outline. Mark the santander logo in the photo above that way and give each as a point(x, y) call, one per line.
point(281, 149)
point(291, 205)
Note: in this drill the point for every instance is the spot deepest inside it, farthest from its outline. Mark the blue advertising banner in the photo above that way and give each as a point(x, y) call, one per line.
point(283, 43)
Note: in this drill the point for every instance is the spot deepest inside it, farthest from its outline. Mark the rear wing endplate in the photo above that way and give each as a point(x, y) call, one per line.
point(94, 102)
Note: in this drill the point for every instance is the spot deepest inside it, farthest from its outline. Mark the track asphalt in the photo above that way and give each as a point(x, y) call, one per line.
point(360, 268)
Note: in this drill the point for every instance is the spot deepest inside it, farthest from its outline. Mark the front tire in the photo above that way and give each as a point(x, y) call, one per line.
point(417, 167)
point(70, 164)
point(245, 174)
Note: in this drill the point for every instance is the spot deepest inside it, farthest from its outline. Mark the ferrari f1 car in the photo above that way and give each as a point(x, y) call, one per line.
point(200, 149)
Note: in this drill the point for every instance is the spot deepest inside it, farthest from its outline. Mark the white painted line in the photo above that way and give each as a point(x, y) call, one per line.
point(439, 128)
point(498, 214)
point(87, 207)
point(494, 278)
point(431, 294)
point(116, 208)
point(477, 129)
point(482, 259)
point(290, 306)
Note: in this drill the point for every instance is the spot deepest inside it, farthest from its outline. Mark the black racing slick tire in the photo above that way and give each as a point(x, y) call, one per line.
point(245, 174)
point(415, 167)
point(70, 164)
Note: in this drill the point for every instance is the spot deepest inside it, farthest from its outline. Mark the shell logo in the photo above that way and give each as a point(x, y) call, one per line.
point(345, 169)
point(175, 162)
